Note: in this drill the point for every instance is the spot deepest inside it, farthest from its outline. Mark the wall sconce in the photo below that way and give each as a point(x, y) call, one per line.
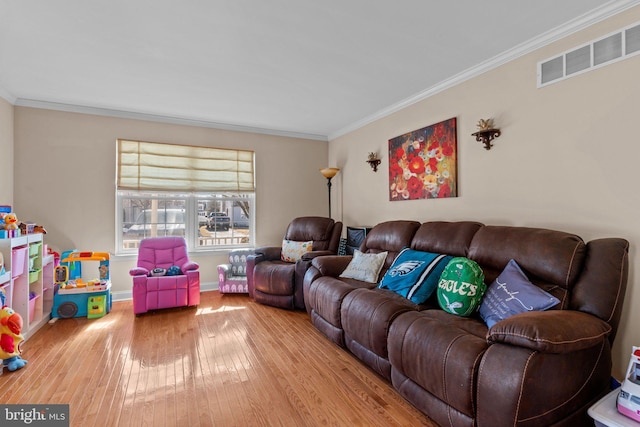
point(486, 133)
point(329, 173)
point(374, 161)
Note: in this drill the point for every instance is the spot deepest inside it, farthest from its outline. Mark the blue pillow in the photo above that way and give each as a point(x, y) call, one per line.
point(512, 293)
point(415, 274)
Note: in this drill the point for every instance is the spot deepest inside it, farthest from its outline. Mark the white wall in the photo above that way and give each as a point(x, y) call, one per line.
point(65, 166)
point(567, 158)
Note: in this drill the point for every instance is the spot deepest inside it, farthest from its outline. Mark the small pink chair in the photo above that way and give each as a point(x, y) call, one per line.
point(151, 292)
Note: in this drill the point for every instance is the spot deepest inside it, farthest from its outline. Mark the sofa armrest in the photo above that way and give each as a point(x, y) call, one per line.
point(268, 253)
point(331, 265)
point(553, 331)
point(308, 256)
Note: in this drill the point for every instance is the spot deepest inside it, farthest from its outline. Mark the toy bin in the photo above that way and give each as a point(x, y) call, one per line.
point(33, 275)
point(34, 248)
point(33, 298)
point(18, 261)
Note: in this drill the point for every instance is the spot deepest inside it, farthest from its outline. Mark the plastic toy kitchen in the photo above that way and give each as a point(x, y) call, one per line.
point(629, 396)
point(77, 295)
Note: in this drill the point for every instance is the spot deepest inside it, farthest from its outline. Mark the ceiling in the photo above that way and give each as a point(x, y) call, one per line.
point(295, 67)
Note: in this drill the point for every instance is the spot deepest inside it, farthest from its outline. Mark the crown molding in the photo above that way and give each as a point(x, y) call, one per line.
point(597, 15)
point(7, 96)
point(122, 114)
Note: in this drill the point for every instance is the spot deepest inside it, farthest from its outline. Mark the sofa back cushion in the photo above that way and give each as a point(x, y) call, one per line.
point(553, 260)
point(323, 232)
point(601, 287)
point(390, 237)
point(441, 237)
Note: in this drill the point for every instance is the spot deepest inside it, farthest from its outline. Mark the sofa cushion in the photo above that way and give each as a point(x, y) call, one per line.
point(292, 251)
point(366, 316)
point(438, 359)
point(365, 267)
point(512, 293)
point(415, 274)
point(461, 287)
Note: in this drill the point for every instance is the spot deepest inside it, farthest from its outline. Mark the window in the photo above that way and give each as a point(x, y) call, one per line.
point(204, 194)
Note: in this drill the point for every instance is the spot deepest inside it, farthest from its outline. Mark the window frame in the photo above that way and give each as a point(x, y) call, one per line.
point(191, 201)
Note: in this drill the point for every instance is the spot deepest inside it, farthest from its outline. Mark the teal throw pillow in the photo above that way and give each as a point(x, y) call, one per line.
point(414, 274)
point(461, 287)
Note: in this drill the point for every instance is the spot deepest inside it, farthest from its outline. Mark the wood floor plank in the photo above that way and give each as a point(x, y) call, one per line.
point(227, 362)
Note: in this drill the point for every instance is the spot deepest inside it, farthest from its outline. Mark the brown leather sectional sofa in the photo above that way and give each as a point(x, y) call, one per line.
point(540, 368)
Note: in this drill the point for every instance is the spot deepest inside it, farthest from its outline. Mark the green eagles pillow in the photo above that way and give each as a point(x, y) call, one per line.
point(461, 287)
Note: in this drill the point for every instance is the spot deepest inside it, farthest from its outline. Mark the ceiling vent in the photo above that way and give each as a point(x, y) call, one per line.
point(598, 53)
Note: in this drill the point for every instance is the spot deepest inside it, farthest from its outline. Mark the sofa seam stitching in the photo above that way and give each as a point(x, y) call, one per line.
point(577, 391)
point(444, 383)
point(524, 375)
point(551, 341)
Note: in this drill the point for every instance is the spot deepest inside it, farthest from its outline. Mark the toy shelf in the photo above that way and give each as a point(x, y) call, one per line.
point(30, 280)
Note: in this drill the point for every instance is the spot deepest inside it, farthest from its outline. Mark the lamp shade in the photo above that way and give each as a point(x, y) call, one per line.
point(329, 172)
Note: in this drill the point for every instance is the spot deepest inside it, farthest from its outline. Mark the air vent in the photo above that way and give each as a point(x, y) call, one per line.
point(607, 50)
point(632, 37)
point(578, 60)
point(552, 69)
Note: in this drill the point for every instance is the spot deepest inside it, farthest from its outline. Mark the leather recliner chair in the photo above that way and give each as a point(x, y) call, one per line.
point(278, 283)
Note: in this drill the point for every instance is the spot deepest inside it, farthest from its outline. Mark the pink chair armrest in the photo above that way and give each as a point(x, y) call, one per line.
point(139, 271)
point(190, 266)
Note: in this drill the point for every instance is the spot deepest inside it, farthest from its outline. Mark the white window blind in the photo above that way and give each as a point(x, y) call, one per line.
point(144, 166)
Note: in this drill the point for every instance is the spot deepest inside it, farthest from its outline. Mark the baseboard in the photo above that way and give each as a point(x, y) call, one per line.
point(127, 295)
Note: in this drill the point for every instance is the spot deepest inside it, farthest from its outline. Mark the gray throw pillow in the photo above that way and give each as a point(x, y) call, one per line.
point(512, 293)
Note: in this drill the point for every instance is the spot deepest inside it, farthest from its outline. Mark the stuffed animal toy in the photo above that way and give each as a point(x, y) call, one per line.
point(158, 272)
point(10, 221)
point(11, 339)
point(174, 270)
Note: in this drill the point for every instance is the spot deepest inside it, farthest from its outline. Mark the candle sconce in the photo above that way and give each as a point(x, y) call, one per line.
point(374, 161)
point(486, 133)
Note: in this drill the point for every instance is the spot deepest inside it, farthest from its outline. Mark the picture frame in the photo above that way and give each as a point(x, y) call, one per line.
point(423, 163)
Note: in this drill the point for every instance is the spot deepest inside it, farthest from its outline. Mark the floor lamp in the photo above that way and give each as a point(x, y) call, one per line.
point(329, 173)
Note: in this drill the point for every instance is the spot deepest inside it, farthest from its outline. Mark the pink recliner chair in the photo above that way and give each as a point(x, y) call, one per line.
point(151, 289)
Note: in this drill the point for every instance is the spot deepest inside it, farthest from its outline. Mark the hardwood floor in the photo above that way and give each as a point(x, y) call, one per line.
point(228, 362)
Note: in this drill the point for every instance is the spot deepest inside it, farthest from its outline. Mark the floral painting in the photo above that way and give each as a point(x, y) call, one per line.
point(423, 163)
